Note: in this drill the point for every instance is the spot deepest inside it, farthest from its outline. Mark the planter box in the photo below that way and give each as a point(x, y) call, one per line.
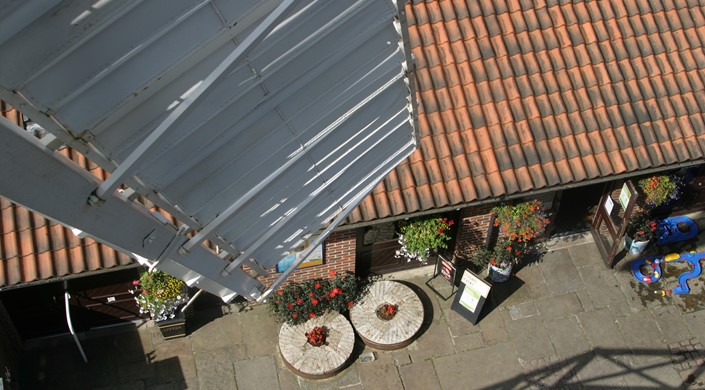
point(173, 328)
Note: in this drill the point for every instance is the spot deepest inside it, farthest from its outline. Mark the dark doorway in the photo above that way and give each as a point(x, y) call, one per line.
point(96, 300)
point(576, 208)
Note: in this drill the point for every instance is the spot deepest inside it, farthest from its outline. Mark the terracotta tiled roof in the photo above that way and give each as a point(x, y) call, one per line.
point(33, 248)
point(517, 96)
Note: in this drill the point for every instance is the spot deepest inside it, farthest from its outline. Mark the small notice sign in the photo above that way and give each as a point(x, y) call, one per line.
point(609, 205)
point(447, 270)
point(624, 196)
point(472, 294)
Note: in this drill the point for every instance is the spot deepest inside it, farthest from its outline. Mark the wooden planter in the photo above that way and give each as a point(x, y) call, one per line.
point(173, 328)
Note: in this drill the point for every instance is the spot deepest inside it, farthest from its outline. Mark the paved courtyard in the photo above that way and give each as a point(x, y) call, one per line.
point(565, 321)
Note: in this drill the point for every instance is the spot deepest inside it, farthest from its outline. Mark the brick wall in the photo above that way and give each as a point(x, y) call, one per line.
point(339, 256)
point(474, 225)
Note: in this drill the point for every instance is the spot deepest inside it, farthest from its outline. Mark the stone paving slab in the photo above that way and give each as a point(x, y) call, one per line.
point(601, 285)
point(559, 305)
point(530, 339)
point(215, 369)
point(381, 374)
point(671, 323)
point(435, 342)
point(564, 274)
point(567, 336)
point(601, 330)
point(492, 367)
point(257, 373)
point(551, 372)
point(641, 333)
point(419, 376)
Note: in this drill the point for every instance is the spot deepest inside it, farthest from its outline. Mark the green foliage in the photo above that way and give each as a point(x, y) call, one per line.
point(298, 302)
point(521, 222)
point(641, 227)
point(159, 294)
point(421, 236)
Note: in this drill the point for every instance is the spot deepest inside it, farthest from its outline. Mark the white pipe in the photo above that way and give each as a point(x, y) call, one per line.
point(67, 297)
point(190, 301)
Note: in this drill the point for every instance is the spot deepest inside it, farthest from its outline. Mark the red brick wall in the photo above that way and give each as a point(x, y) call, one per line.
point(474, 224)
point(339, 256)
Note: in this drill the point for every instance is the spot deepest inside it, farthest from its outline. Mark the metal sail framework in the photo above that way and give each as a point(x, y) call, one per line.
point(256, 124)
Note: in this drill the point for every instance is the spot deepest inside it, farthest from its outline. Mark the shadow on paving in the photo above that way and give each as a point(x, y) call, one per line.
point(116, 359)
point(615, 368)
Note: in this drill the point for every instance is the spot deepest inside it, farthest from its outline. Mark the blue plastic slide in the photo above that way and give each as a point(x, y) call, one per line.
point(648, 269)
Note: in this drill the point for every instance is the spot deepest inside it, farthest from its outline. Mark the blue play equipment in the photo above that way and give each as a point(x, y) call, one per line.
point(648, 269)
point(675, 229)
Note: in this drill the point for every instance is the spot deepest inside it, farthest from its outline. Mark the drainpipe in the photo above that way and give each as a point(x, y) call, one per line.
point(490, 232)
point(67, 297)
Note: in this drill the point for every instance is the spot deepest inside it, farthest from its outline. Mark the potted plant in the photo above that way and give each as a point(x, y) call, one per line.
point(521, 222)
point(296, 303)
point(659, 190)
point(422, 236)
point(640, 230)
point(160, 295)
point(499, 260)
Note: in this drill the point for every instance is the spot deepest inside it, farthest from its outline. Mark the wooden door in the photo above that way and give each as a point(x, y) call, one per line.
point(608, 226)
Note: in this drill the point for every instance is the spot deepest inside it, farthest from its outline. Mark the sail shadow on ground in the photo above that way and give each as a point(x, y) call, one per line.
point(678, 366)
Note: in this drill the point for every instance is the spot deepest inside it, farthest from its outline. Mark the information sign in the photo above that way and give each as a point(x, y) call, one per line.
point(472, 293)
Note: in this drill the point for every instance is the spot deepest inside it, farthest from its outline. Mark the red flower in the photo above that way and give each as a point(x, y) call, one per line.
point(135, 282)
point(289, 305)
point(295, 315)
point(314, 301)
point(509, 248)
point(351, 303)
point(316, 285)
point(144, 291)
point(332, 273)
point(280, 292)
point(299, 301)
point(311, 315)
point(439, 231)
point(310, 294)
point(451, 223)
point(332, 294)
point(517, 253)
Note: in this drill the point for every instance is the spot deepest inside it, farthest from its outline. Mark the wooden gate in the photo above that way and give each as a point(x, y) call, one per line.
point(608, 225)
